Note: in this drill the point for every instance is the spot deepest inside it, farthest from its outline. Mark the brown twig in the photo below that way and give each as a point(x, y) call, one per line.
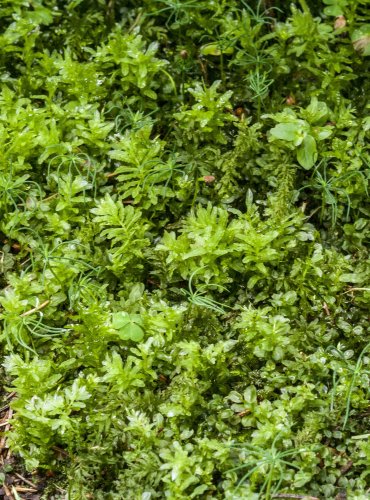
point(108, 175)
point(35, 309)
point(51, 197)
point(136, 22)
point(326, 308)
point(243, 413)
point(60, 450)
point(22, 489)
point(7, 491)
point(30, 483)
point(3, 439)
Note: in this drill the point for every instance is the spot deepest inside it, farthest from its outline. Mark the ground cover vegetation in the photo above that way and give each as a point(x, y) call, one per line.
point(184, 246)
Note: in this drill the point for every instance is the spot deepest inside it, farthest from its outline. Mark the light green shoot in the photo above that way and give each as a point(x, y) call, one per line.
point(259, 83)
point(268, 462)
point(356, 373)
point(47, 256)
point(73, 164)
point(35, 328)
point(178, 9)
point(259, 16)
point(329, 189)
point(198, 297)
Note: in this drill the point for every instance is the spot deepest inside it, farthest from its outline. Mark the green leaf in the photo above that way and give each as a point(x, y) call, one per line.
point(120, 319)
point(128, 326)
point(335, 7)
point(317, 111)
point(291, 132)
point(307, 152)
point(250, 394)
point(361, 39)
point(131, 331)
point(322, 133)
point(215, 49)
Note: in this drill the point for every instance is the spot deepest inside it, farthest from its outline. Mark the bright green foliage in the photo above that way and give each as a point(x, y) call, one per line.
point(123, 229)
point(128, 60)
point(335, 7)
point(205, 119)
point(184, 246)
point(302, 135)
point(128, 326)
point(361, 39)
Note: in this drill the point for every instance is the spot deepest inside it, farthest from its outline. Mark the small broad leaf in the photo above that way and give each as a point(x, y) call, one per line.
point(250, 394)
point(335, 7)
point(322, 133)
point(292, 132)
point(128, 326)
point(361, 39)
point(120, 319)
point(214, 49)
point(307, 152)
point(135, 332)
point(317, 111)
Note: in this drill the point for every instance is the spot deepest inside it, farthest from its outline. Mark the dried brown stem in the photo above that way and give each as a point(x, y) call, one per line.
point(30, 483)
point(35, 309)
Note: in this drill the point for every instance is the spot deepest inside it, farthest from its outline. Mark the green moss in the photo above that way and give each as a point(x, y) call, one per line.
point(184, 228)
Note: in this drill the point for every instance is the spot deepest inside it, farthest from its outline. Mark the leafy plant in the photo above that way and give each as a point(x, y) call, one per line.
point(271, 463)
point(335, 7)
point(331, 189)
point(300, 133)
point(198, 297)
point(207, 115)
point(184, 248)
point(121, 227)
point(178, 11)
point(361, 39)
point(129, 326)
